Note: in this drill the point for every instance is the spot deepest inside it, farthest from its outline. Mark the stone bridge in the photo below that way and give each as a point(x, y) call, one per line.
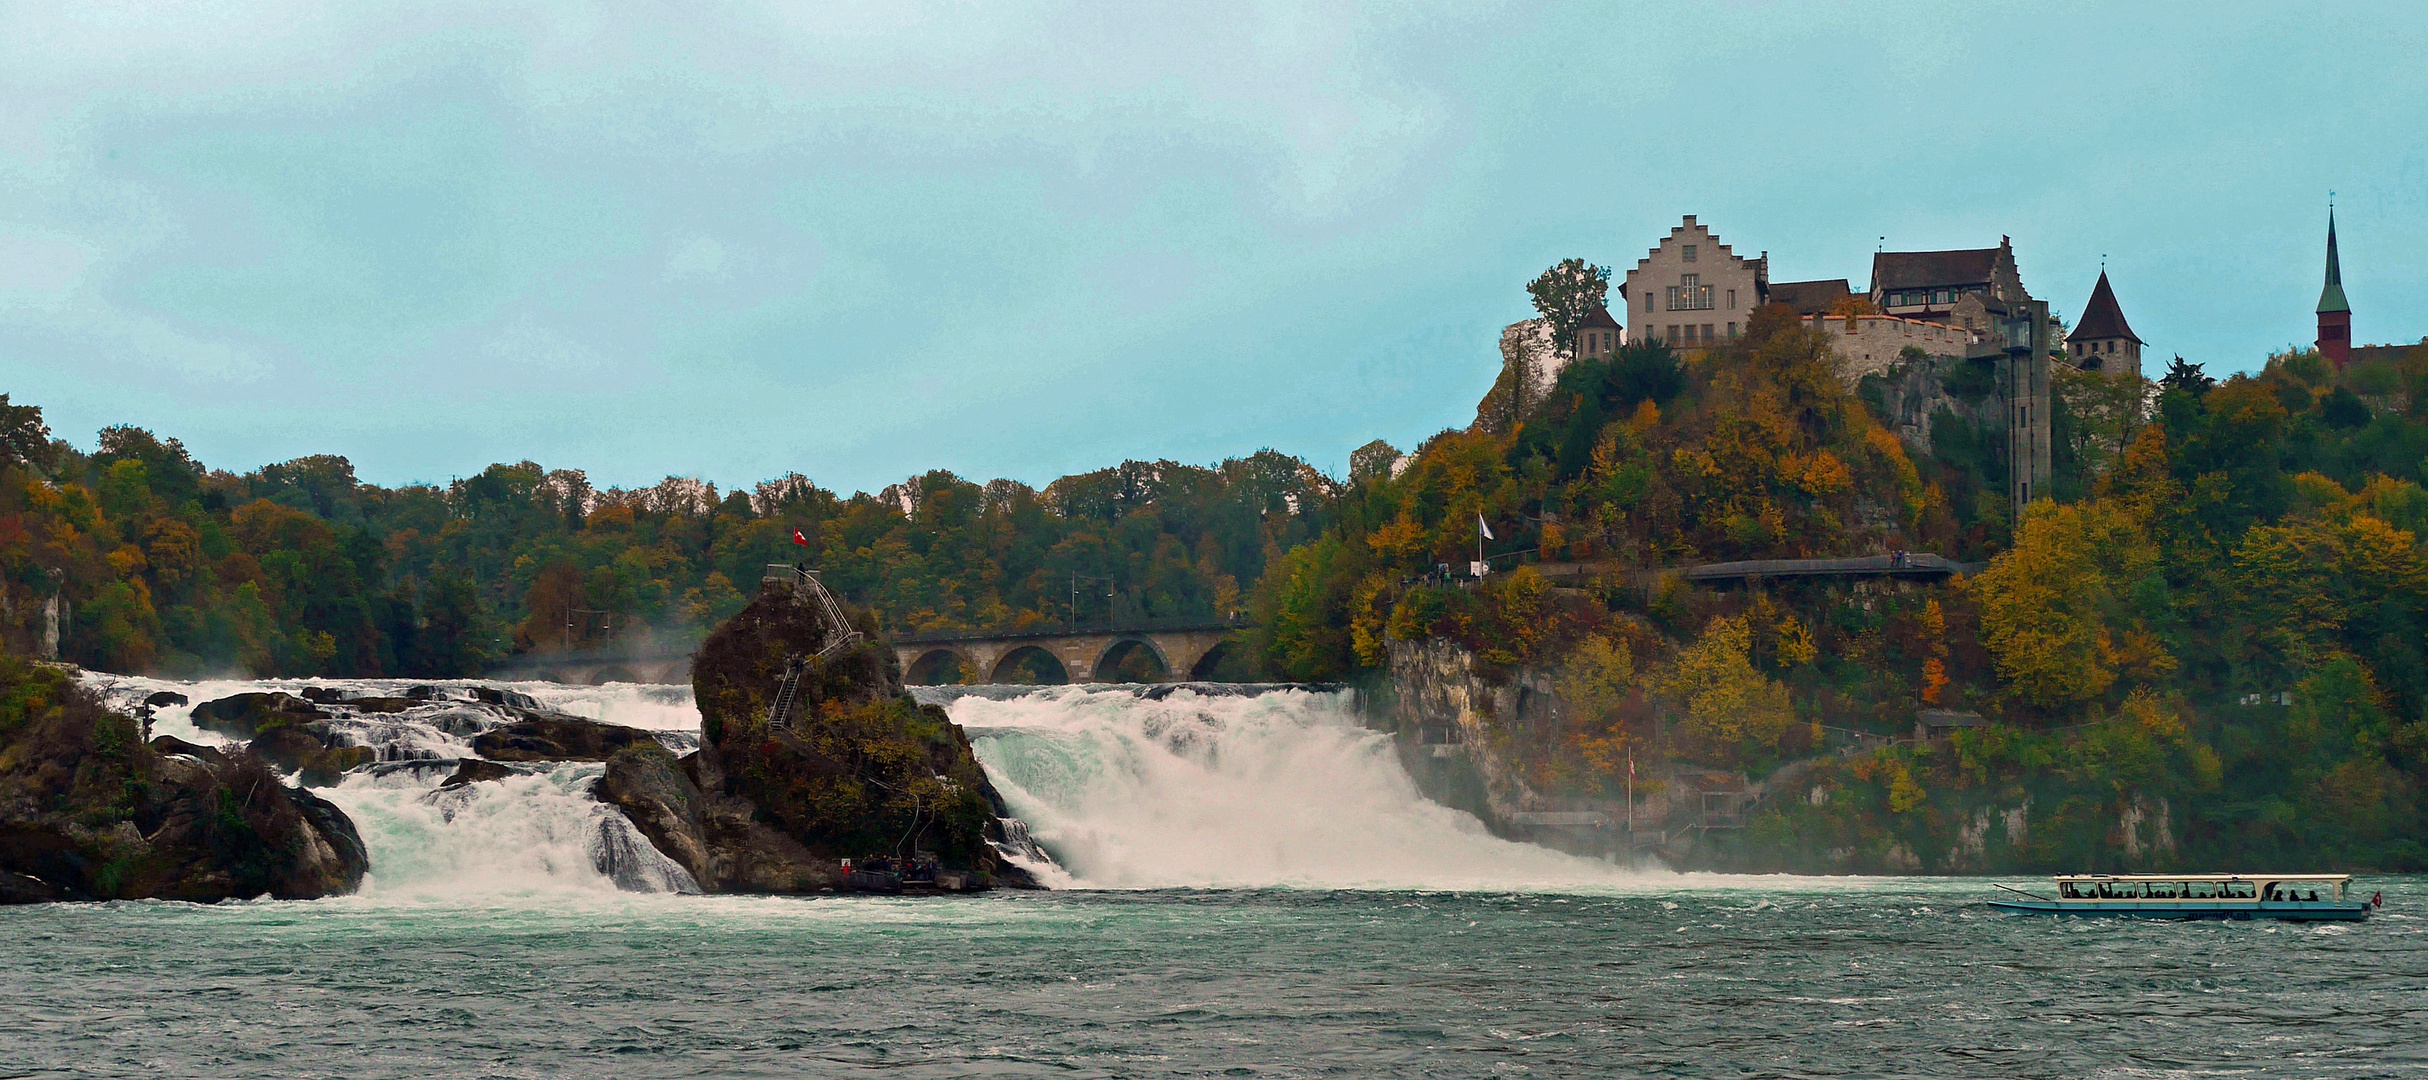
point(1184, 653)
point(600, 667)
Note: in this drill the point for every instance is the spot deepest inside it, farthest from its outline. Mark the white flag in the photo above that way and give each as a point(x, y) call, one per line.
point(1486, 529)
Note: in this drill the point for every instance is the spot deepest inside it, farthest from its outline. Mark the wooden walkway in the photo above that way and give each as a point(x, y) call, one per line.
point(1911, 566)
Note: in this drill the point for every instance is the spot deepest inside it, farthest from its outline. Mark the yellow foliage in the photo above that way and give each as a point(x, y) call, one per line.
point(1646, 417)
point(1820, 474)
point(1726, 700)
point(1402, 539)
point(127, 561)
point(2047, 604)
point(1554, 539)
point(1904, 795)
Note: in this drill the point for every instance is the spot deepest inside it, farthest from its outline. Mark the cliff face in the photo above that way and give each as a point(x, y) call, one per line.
point(88, 811)
point(1465, 730)
point(859, 771)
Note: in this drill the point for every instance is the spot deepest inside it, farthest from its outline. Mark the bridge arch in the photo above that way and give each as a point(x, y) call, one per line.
point(1210, 662)
point(613, 673)
point(1030, 665)
point(942, 666)
point(1133, 659)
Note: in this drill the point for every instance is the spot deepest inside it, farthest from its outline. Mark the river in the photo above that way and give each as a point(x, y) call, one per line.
point(1249, 887)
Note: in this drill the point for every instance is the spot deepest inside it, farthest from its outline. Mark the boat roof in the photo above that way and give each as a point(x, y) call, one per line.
point(2204, 877)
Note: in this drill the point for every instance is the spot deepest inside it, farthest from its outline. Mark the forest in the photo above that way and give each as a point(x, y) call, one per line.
point(164, 565)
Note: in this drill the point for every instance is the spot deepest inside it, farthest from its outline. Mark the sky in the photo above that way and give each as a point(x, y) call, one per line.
point(861, 241)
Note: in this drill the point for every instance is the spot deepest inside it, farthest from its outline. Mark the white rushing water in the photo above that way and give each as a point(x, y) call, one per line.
point(1186, 789)
point(531, 834)
point(1220, 791)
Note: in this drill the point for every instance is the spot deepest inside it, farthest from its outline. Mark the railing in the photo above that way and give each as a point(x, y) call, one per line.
point(806, 588)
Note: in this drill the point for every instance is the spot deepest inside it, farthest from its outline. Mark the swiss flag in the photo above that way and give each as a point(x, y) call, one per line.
point(798, 538)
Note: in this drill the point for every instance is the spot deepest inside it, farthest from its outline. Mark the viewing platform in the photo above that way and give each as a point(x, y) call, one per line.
point(1908, 566)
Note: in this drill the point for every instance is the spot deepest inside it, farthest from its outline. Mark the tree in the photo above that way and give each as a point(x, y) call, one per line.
point(1566, 294)
point(2057, 611)
point(24, 439)
point(2187, 377)
point(1728, 703)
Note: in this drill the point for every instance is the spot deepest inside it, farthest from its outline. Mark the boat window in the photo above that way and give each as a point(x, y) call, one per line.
point(2066, 891)
point(2239, 890)
point(2200, 890)
point(2159, 890)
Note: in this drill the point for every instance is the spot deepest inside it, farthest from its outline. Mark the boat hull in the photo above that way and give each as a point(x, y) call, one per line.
point(2298, 911)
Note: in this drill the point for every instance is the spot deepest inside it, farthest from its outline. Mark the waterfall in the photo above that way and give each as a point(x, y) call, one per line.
point(1193, 788)
point(536, 832)
point(1174, 787)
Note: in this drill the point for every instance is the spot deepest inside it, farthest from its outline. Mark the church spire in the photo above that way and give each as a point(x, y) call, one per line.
point(2334, 314)
point(2332, 297)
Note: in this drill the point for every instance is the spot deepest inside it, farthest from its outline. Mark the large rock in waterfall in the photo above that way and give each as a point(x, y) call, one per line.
point(855, 770)
point(89, 811)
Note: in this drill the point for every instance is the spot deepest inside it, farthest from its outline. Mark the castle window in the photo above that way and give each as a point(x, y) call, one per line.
point(1690, 294)
point(1707, 332)
point(1672, 335)
point(1732, 299)
point(1686, 253)
point(1732, 330)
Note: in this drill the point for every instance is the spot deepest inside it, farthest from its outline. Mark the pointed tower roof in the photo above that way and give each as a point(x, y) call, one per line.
point(2331, 298)
point(2101, 318)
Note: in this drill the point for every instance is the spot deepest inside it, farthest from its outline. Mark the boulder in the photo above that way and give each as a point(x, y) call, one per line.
point(88, 811)
point(552, 737)
point(474, 770)
point(712, 835)
point(244, 716)
point(306, 750)
point(165, 699)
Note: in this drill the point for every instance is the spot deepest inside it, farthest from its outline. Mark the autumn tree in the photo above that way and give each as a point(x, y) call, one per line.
point(1566, 294)
point(1728, 704)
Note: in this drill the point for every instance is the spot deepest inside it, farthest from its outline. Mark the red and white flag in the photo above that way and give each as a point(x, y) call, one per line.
point(798, 538)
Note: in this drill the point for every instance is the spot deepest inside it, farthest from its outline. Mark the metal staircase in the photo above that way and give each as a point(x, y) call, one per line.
point(808, 591)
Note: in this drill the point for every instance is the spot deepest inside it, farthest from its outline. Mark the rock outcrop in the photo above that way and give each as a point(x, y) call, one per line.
point(89, 811)
point(859, 771)
point(557, 738)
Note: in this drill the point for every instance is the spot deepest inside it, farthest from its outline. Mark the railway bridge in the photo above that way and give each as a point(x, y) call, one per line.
point(1184, 651)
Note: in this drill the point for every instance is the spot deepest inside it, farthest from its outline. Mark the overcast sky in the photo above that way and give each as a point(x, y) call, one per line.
point(862, 241)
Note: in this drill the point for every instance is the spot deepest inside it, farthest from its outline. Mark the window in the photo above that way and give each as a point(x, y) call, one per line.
point(1690, 294)
point(1732, 299)
point(1672, 335)
point(1732, 330)
point(1686, 253)
point(1707, 332)
point(1648, 300)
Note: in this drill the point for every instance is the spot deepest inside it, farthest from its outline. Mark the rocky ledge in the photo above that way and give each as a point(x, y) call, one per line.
point(90, 811)
point(857, 770)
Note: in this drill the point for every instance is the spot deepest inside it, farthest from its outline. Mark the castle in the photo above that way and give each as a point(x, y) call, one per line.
point(1926, 312)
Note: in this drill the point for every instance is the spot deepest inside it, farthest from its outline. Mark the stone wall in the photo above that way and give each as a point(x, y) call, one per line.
point(1872, 344)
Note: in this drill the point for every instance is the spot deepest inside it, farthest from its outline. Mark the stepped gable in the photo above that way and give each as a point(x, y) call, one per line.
point(2101, 318)
point(1811, 297)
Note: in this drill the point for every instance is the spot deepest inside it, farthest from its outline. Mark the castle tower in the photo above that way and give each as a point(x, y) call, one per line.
point(2334, 313)
point(2103, 341)
point(1597, 338)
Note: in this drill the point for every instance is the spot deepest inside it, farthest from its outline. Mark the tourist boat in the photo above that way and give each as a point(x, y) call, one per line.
point(2198, 896)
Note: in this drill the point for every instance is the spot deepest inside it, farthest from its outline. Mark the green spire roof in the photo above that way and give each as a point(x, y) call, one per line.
point(2331, 298)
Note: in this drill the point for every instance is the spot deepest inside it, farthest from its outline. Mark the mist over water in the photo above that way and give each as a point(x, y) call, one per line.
point(1198, 790)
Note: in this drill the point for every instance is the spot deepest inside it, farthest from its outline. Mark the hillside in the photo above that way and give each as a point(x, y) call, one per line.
point(2207, 649)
